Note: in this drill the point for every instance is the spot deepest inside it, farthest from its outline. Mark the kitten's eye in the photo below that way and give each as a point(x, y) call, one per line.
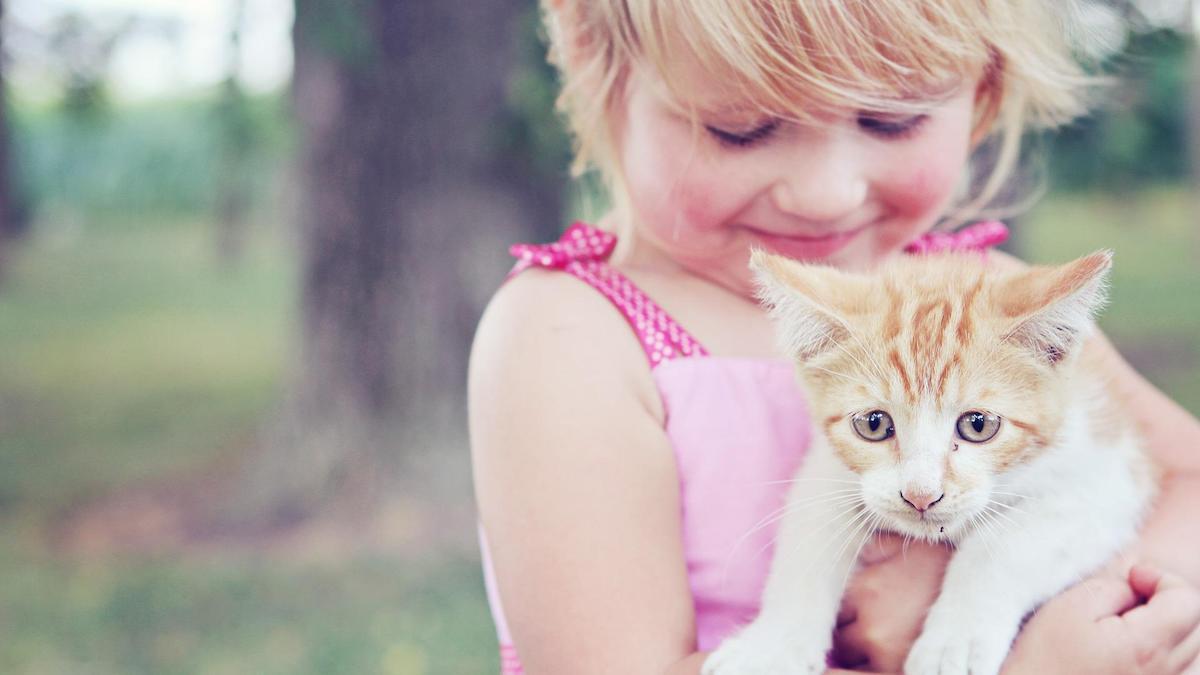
point(890, 126)
point(977, 427)
point(743, 139)
point(874, 426)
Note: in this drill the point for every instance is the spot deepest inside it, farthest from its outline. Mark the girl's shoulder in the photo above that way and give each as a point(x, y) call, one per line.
point(575, 479)
point(549, 335)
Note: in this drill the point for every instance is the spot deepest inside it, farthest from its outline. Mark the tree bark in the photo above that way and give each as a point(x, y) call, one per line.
point(405, 212)
point(12, 214)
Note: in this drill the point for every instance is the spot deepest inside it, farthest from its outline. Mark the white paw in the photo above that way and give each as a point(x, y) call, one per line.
point(750, 653)
point(959, 648)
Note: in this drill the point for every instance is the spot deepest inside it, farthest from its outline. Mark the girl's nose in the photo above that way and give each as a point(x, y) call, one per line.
point(823, 183)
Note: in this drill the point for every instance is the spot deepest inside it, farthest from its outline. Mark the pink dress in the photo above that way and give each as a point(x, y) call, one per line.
point(739, 428)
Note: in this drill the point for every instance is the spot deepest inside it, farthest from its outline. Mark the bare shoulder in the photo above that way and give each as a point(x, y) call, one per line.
point(551, 334)
point(575, 481)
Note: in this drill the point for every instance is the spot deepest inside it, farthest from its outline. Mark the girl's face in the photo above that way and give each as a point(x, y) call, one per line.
point(847, 192)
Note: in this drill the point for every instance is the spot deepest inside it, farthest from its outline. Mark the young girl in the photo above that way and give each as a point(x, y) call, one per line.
point(633, 427)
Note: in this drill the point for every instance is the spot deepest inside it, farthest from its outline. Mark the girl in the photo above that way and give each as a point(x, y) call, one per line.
point(630, 444)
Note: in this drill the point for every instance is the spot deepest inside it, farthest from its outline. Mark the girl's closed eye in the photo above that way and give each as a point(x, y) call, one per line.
point(742, 139)
point(891, 126)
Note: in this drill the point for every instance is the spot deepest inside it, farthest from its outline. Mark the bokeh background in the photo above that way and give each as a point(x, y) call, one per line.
point(243, 246)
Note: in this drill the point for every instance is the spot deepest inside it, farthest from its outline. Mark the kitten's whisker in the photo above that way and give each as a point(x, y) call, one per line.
point(842, 375)
point(829, 515)
point(790, 507)
point(993, 503)
point(829, 519)
point(807, 480)
point(833, 538)
point(1014, 494)
point(829, 336)
point(871, 531)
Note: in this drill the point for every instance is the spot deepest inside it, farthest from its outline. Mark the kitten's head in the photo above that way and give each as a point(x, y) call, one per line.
point(937, 376)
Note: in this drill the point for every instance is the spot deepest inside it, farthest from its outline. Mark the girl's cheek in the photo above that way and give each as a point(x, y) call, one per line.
point(926, 188)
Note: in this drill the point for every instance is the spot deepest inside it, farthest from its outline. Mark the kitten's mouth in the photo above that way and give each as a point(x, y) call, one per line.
point(926, 525)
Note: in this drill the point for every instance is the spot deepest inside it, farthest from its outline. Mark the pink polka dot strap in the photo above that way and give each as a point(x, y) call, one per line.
point(583, 252)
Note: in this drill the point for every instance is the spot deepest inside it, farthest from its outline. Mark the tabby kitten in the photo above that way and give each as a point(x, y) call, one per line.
point(954, 404)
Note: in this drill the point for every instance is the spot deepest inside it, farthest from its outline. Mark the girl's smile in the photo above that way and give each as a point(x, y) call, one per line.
point(806, 247)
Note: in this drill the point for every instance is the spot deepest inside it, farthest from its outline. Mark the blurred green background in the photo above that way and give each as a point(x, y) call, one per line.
point(156, 306)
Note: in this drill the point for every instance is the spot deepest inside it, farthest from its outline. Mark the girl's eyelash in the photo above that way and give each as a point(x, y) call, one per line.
point(890, 128)
point(743, 139)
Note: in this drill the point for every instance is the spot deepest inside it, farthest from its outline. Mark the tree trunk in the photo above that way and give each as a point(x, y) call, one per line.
point(405, 212)
point(237, 139)
point(12, 214)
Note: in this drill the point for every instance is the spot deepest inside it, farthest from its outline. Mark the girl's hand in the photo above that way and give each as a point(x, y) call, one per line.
point(885, 604)
point(1148, 624)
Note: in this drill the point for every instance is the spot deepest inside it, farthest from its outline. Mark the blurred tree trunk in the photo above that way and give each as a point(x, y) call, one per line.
point(407, 202)
point(12, 215)
point(237, 139)
point(1193, 125)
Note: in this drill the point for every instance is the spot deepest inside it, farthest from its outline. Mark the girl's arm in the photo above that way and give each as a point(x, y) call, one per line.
point(576, 484)
point(1172, 437)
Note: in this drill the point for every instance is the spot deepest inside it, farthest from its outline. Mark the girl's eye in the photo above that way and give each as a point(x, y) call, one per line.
point(887, 126)
point(977, 427)
point(873, 426)
point(741, 139)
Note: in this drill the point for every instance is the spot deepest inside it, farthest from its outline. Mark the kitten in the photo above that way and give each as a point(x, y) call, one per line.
point(954, 404)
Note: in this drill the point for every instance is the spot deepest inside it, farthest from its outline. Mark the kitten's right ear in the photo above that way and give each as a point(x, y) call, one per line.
point(803, 302)
point(1052, 307)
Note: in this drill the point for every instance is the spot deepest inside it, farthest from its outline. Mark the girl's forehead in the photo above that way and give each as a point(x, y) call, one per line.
point(688, 89)
point(784, 57)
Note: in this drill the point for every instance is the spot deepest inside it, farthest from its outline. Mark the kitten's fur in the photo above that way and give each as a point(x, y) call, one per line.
point(1056, 493)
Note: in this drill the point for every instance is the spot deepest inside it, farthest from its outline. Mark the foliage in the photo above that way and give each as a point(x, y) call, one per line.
point(1138, 134)
point(157, 158)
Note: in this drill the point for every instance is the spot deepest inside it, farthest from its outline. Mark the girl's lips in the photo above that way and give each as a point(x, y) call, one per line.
point(804, 248)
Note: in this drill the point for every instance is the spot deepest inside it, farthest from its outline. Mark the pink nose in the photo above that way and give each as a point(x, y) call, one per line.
point(921, 501)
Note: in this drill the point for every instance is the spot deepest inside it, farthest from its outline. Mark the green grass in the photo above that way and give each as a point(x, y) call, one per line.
point(1154, 312)
point(127, 353)
point(367, 616)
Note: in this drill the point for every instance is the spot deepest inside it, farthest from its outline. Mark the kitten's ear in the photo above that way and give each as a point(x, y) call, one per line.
point(1052, 307)
point(806, 302)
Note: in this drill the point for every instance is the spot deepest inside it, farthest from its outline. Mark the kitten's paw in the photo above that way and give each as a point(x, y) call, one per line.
point(957, 650)
point(754, 654)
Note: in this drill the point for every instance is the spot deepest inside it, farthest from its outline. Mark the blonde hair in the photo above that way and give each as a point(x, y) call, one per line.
point(793, 58)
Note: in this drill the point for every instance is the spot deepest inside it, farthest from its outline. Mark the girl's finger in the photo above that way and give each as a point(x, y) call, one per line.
point(1144, 579)
point(847, 614)
point(1101, 597)
point(848, 647)
point(1170, 615)
point(1185, 652)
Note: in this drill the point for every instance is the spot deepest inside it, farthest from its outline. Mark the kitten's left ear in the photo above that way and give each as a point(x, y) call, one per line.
point(1052, 307)
point(809, 303)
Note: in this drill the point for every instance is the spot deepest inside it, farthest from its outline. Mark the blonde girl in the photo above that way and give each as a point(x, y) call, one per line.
point(632, 423)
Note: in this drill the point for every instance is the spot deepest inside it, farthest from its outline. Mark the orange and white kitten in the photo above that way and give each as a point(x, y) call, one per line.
point(954, 404)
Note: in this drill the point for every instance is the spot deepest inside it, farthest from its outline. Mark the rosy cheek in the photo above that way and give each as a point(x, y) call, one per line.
point(924, 189)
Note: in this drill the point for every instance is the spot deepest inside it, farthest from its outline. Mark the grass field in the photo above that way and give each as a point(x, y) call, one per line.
point(128, 354)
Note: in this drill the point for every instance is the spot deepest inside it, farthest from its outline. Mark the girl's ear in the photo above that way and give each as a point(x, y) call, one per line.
point(809, 303)
point(1052, 307)
point(567, 22)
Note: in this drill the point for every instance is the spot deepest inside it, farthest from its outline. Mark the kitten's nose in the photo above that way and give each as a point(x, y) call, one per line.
point(921, 501)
